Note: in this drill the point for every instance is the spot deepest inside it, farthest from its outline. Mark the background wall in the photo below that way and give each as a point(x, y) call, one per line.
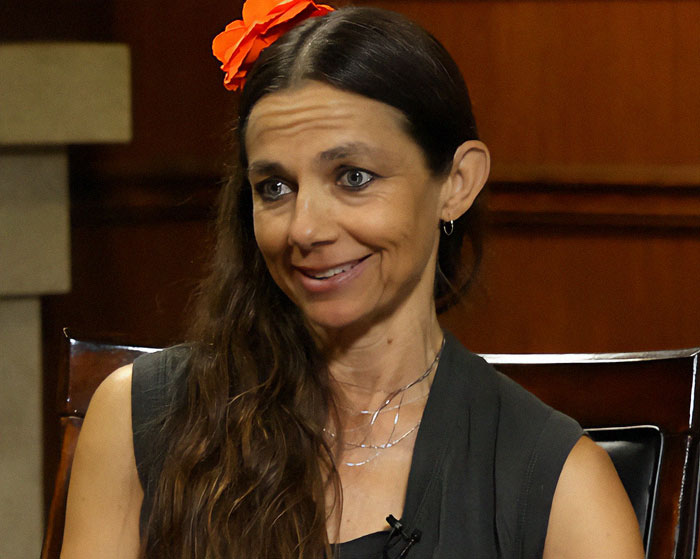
point(590, 109)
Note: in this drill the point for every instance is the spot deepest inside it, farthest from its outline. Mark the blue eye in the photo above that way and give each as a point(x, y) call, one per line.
point(272, 189)
point(355, 178)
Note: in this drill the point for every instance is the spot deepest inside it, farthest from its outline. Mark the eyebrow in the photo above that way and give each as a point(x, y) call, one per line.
point(265, 167)
point(344, 150)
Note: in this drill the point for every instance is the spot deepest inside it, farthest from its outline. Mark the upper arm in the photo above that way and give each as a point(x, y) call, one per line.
point(104, 496)
point(591, 516)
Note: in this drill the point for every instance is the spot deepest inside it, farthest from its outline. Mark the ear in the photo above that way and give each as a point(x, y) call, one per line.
point(470, 169)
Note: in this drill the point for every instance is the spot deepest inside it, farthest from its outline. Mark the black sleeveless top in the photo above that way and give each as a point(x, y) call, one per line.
point(485, 465)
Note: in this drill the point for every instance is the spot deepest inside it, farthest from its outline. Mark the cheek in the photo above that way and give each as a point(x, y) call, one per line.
point(416, 235)
point(269, 235)
point(272, 247)
point(412, 221)
point(406, 233)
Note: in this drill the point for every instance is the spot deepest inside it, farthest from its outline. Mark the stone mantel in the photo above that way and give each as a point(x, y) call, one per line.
point(64, 93)
point(51, 95)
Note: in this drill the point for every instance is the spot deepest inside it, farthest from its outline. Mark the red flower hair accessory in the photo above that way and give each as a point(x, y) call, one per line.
point(264, 21)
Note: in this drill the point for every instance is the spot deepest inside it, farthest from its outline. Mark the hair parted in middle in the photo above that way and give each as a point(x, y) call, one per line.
point(245, 466)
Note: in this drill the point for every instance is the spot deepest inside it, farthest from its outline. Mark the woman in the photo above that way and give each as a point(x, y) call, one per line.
point(320, 395)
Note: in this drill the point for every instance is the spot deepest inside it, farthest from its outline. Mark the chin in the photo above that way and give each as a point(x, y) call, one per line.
point(334, 317)
point(332, 321)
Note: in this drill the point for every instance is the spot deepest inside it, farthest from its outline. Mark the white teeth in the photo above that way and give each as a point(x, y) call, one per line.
point(333, 271)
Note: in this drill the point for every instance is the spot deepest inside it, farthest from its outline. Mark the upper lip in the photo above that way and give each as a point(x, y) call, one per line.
point(316, 269)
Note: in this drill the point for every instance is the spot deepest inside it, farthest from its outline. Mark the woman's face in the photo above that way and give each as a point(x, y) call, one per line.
point(346, 212)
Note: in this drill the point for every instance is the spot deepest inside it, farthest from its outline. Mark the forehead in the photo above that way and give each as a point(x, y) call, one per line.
point(319, 111)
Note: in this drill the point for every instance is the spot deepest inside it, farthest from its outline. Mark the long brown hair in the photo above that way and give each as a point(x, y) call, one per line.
point(245, 466)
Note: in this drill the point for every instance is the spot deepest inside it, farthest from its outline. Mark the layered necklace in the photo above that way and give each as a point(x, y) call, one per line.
point(393, 439)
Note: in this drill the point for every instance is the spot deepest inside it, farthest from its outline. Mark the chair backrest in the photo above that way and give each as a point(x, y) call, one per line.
point(617, 391)
point(639, 407)
point(84, 365)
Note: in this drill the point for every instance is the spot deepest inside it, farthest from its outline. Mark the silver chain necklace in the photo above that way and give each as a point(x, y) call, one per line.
point(391, 442)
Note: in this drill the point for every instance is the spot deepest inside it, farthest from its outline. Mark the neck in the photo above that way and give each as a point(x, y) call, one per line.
point(385, 358)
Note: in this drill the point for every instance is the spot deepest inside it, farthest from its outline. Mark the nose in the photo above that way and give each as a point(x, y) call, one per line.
point(312, 222)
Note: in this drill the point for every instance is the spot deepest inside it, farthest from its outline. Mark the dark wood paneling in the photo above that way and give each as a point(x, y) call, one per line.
point(578, 91)
point(182, 115)
point(577, 288)
point(56, 20)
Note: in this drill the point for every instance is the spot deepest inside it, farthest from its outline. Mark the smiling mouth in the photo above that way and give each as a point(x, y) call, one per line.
point(332, 272)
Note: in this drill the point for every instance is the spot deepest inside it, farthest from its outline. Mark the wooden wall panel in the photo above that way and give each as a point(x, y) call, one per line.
point(133, 280)
point(579, 91)
point(547, 288)
point(181, 111)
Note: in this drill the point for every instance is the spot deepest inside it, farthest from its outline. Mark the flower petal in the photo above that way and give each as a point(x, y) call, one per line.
point(264, 21)
point(226, 40)
point(258, 10)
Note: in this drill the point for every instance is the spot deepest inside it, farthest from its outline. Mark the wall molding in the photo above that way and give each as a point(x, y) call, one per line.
point(604, 173)
point(511, 203)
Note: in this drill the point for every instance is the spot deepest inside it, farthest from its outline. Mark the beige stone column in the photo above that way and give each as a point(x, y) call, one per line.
point(51, 95)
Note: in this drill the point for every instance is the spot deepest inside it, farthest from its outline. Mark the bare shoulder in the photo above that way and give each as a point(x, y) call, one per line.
point(104, 497)
point(115, 389)
point(108, 420)
point(591, 515)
